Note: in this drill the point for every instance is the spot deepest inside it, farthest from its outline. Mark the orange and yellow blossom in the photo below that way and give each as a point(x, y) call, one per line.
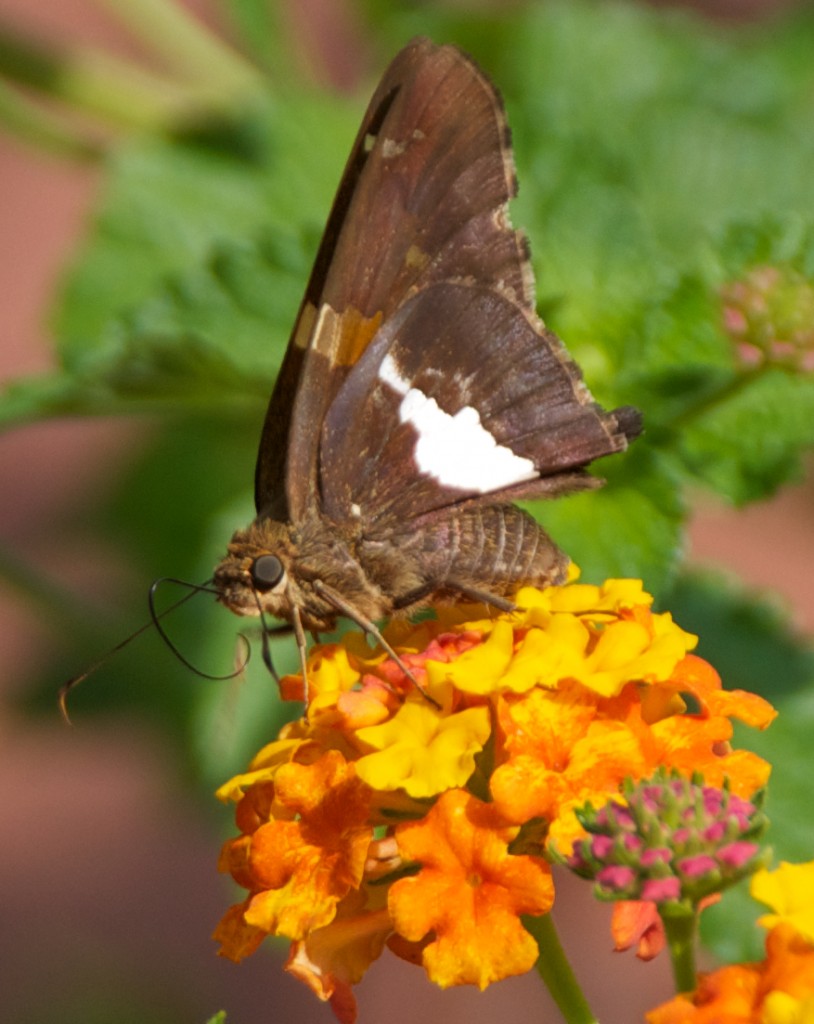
point(384, 817)
point(469, 893)
point(776, 990)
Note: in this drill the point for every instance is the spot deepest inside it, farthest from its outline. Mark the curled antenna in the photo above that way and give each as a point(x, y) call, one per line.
point(194, 588)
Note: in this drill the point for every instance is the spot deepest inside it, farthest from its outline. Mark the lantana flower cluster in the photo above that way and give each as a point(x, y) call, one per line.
point(671, 841)
point(423, 817)
point(768, 314)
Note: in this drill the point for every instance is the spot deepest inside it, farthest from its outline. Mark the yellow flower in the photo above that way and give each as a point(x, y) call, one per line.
point(422, 750)
point(789, 891)
point(480, 669)
point(263, 768)
point(781, 1008)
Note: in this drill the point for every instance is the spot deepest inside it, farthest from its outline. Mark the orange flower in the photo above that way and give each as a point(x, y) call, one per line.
point(725, 997)
point(469, 893)
point(778, 990)
point(334, 958)
point(637, 922)
point(300, 869)
point(561, 752)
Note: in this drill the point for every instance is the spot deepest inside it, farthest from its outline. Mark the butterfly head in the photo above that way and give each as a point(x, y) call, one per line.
point(264, 573)
point(255, 574)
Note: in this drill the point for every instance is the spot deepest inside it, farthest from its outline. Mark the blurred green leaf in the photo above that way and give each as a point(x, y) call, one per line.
point(632, 527)
point(746, 447)
point(169, 203)
point(258, 24)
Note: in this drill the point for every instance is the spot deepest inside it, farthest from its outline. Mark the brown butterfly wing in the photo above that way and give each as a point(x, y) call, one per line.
point(509, 411)
point(423, 199)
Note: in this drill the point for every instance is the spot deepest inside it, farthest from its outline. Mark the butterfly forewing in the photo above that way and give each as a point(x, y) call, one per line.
point(422, 199)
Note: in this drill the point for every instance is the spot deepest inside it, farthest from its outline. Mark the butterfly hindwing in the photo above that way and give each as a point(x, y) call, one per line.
point(462, 393)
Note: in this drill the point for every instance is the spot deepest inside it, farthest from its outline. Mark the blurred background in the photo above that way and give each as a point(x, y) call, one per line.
point(108, 887)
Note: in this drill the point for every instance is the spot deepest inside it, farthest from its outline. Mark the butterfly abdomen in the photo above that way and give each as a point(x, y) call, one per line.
point(498, 548)
point(479, 551)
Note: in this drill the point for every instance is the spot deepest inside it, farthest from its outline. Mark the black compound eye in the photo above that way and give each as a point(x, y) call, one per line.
point(266, 572)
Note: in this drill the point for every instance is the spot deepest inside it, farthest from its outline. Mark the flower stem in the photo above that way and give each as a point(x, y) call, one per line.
point(737, 383)
point(94, 82)
point(36, 126)
point(680, 929)
point(187, 45)
point(555, 970)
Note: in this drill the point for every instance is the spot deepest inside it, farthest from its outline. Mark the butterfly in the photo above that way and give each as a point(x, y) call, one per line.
point(420, 395)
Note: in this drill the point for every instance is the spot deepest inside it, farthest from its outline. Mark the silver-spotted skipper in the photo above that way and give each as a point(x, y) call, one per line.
point(420, 394)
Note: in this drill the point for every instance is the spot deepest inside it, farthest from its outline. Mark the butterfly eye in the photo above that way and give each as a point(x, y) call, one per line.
point(266, 572)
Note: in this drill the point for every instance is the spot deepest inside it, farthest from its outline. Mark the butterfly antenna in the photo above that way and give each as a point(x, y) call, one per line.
point(156, 616)
point(194, 588)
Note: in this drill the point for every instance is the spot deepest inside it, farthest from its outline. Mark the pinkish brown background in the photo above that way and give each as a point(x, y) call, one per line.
point(108, 889)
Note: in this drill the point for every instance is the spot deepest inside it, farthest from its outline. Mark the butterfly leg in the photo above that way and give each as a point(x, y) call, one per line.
point(302, 645)
point(480, 596)
point(414, 596)
point(370, 627)
point(464, 589)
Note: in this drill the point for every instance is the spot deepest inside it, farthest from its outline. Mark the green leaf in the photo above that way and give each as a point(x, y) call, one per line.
point(169, 202)
point(738, 428)
point(631, 527)
point(189, 288)
point(207, 338)
point(214, 334)
point(748, 445)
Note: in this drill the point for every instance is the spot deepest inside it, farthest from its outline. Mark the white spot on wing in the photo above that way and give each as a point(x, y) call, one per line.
point(391, 148)
point(456, 450)
point(391, 375)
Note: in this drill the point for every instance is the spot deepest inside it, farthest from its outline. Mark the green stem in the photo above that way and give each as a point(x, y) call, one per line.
point(29, 122)
point(95, 83)
point(187, 46)
point(732, 387)
point(681, 930)
point(555, 970)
